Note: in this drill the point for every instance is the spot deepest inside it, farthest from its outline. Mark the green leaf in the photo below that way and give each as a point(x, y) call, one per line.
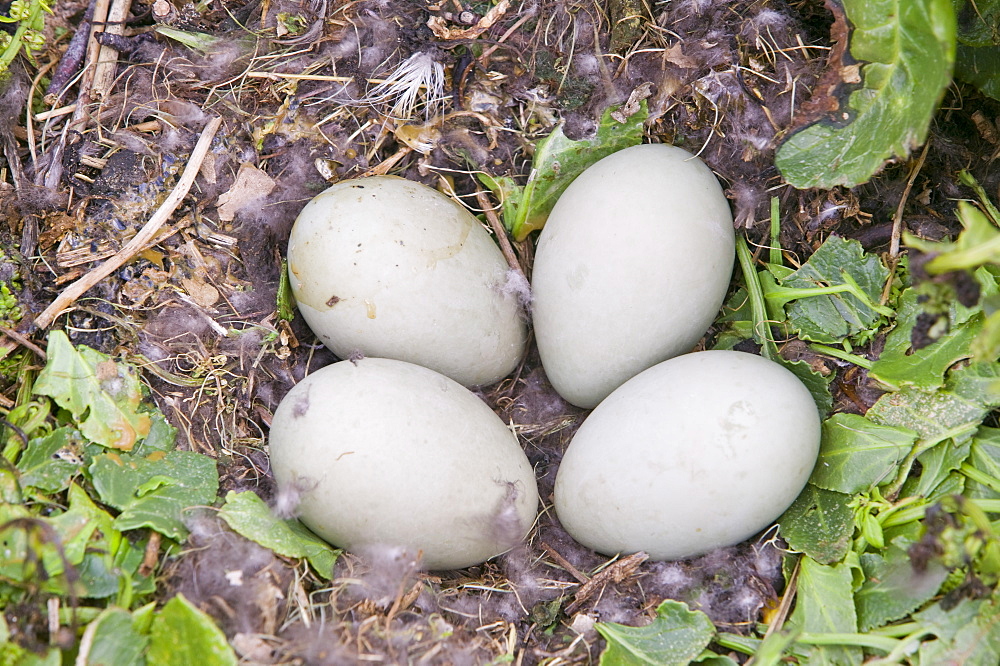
point(182, 635)
point(984, 457)
point(677, 636)
point(48, 463)
point(955, 411)
point(820, 524)
point(559, 160)
point(831, 317)
point(907, 50)
point(857, 454)
point(250, 517)
point(824, 603)
point(936, 467)
point(893, 588)
point(102, 395)
point(979, 66)
point(968, 634)
point(976, 245)
point(155, 491)
point(900, 365)
point(115, 640)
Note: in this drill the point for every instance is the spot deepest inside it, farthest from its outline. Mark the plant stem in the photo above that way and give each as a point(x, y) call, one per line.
point(859, 361)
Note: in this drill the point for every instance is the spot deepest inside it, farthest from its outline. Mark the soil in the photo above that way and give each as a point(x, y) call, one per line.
point(296, 86)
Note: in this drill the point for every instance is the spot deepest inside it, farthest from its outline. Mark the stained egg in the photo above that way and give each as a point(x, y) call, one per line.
point(386, 453)
point(698, 452)
point(387, 267)
point(631, 269)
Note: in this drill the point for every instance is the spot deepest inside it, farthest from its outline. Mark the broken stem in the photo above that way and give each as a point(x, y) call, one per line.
point(148, 231)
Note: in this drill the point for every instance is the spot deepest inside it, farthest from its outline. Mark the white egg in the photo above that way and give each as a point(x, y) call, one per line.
point(387, 453)
point(391, 268)
point(631, 269)
point(698, 452)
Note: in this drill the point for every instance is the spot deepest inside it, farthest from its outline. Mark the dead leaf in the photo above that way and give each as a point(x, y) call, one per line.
point(251, 185)
point(675, 55)
point(200, 292)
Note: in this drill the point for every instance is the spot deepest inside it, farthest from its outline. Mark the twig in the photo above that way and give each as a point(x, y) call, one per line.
point(897, 220)
point(107, 58)
point(614, 573)
point(499, 230)
point(564, 563)
point(148, 231)
point(72, 58)
point(23, 341)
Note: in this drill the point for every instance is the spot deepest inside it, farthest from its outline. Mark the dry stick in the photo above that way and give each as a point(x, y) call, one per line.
point(107, 58)
point(897, 220)
point(499, 230)
point(897, 223)
point(148, 231)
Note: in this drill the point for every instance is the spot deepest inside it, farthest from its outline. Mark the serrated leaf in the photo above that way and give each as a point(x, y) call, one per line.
point(819, 523)
point(834, 317)
point(674, 638)
point(182, 635)
point(559, 160)
point(907, 50)
point(893, 588)
point(155, 491)
point(818, 385)
point(103, 396)
point(824, 603)
point(115, 642)
point(857, 454)
point(900, 365)
point(250, 517)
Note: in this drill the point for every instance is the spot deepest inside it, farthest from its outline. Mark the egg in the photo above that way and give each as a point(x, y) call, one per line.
point(387, 267)
point(698, 452)
point(631, 269)
point(386, 453)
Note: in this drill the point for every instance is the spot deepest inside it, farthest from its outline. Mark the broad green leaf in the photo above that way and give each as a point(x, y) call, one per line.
point(900, 365)
point(984, 457)
point(818, 385)
point(955, 411)
point(250, 517)
point(893, 588)
point(979, 66)
point(824, 603)
point(103, 396)
point(906, 51)
point(857, 454)
point(936, 467)
point(557, 162)
point(968, 634)
point(156, 490)
point(677, 636)
point(820, 524)
point(830, 317)
point(115, 640)
point(48, 463)
point(978, 21)
point(182, 635)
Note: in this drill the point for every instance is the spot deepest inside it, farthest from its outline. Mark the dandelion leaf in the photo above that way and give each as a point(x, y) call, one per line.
point(103, 396)
point(677, 636)
point(819, 523)
point(250, 517)
point(906, 52)
point(182, 635)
